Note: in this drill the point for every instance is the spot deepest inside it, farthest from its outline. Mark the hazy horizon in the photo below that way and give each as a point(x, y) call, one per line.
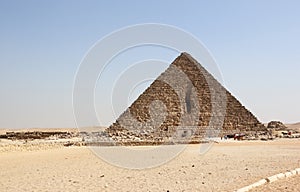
point(254, 43)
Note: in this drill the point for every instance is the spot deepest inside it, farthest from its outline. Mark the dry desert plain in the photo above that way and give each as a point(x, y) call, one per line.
point(227, 166)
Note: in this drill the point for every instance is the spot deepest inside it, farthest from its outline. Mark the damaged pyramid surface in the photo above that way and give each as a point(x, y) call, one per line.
point(184, 101)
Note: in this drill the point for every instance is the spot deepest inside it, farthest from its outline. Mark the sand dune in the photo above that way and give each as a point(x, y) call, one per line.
point(295, 126)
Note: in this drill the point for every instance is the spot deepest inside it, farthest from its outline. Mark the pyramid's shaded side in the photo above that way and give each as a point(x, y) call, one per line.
point(185, 90)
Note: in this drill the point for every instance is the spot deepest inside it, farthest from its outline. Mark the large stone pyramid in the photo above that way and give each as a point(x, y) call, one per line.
point(185, 96)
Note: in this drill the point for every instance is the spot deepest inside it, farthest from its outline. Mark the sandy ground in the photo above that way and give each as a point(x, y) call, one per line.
point(225, 167)
point(295, 126)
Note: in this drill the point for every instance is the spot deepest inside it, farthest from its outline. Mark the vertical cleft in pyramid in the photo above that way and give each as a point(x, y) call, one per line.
point(184, 97)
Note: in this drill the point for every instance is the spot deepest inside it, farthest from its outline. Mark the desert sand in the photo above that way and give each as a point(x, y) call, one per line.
point(227, 166)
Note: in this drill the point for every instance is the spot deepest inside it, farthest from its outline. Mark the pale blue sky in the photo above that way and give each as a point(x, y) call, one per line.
point(255, 43)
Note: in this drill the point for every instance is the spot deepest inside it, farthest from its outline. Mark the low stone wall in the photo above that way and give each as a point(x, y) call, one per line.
point(37, 135)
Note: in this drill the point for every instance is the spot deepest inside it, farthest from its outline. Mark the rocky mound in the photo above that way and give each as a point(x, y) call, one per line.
point(276, 125)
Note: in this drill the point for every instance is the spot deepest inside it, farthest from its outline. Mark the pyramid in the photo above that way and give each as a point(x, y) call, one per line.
point(184, 97)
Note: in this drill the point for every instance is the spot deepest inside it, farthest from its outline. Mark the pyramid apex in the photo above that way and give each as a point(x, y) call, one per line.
point(188, 56)
point(184, 54)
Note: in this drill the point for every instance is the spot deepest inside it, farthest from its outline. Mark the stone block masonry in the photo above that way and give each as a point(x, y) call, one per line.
point(184, 95)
